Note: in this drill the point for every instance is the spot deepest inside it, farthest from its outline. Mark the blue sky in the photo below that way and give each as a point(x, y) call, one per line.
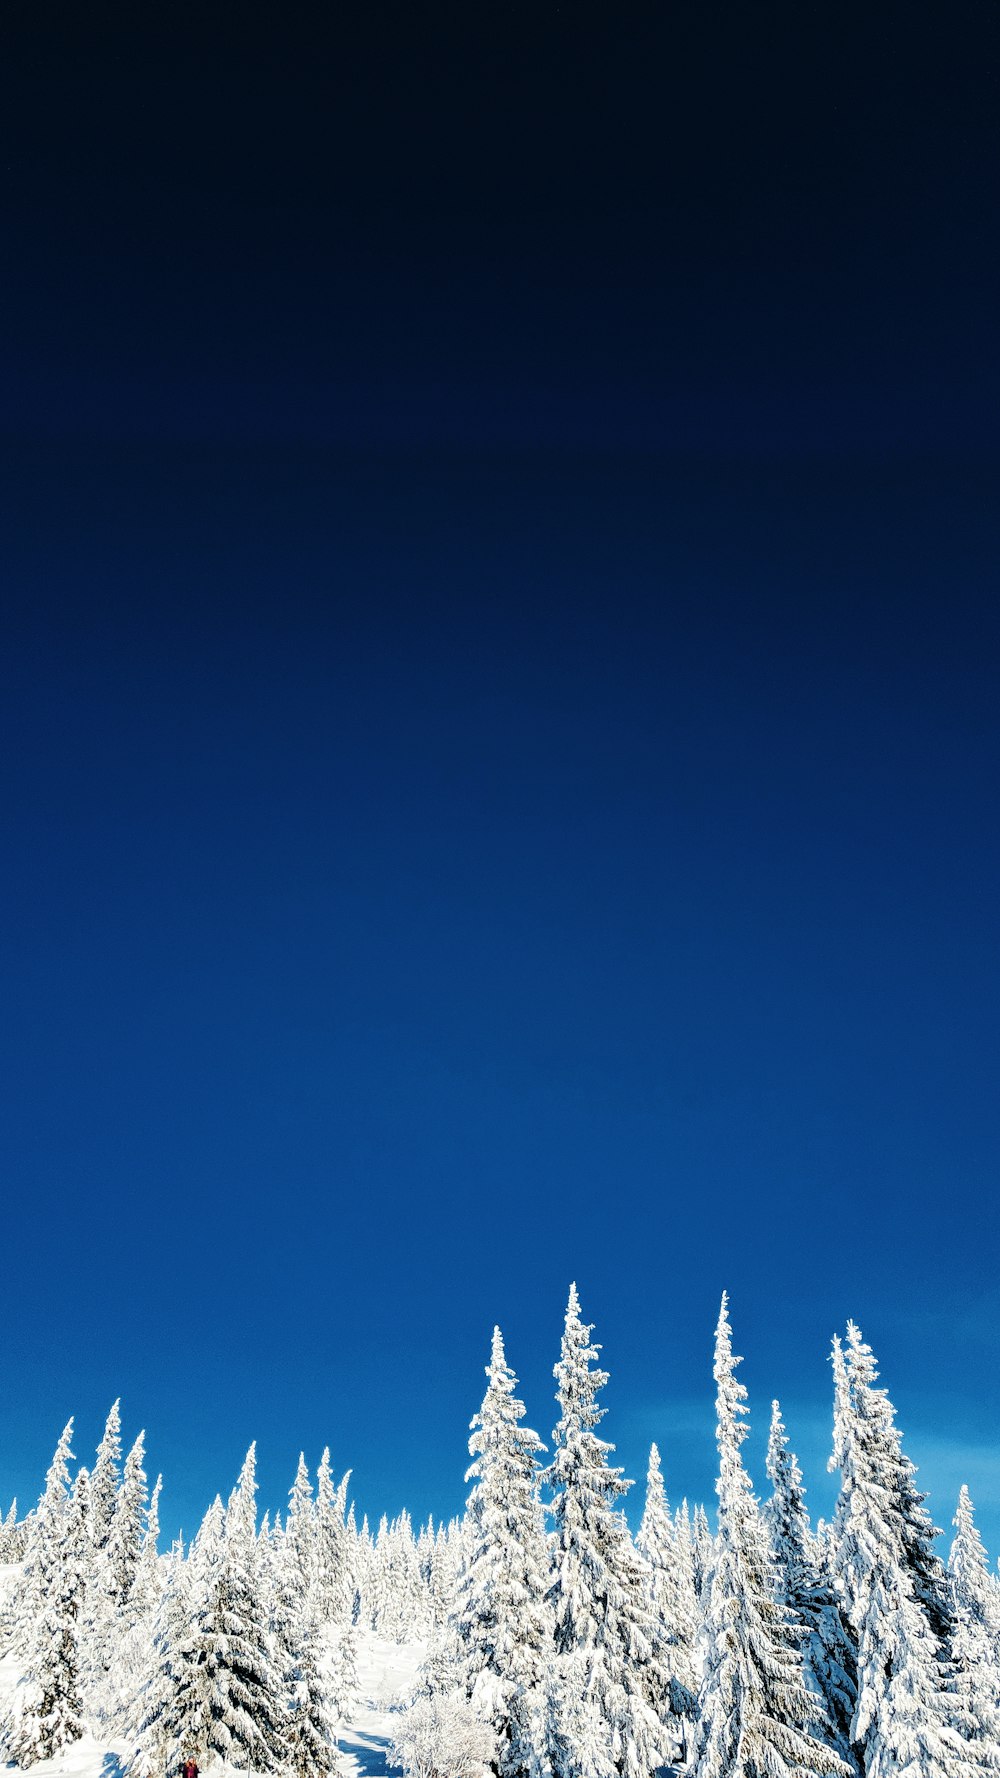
point(500, 735)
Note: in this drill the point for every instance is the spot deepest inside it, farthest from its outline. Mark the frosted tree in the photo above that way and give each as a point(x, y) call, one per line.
point(442, 1737)
point(148, 1585)
point(106, 1479)
point(904, 1723)
point(172, 1717)
point(245, 1727)
point(502, 1618)
point(704, 1553)
point(975, 1678)
point(608, 1646)
point(671, 1589)
point(757, 1718)
point(310, 1747)
point(300, 1554)
point(47, 1712)
point(335, 1569)
point(123, 1550)
point(827, 1649)
point(8, 1535)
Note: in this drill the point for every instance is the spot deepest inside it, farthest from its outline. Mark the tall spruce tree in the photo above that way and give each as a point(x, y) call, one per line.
point(757, 1718)
point(884, 1567)
point(47, 1711)
point(105, 1479)
point(246, 1712)
point(502, 1618)
point(611, 1667)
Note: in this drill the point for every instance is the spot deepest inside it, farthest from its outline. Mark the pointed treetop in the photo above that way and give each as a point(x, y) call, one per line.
point(731, 1395)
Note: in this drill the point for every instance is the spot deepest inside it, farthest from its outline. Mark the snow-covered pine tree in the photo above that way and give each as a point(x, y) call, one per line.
point(47, 1712)
point(502, 1618)
point(609, 1653)
point(123, 1549)
point(106, 1479)
point(245, 1726)
point(975, 1644)
point(880, 1555)
point(335, 1568)
point(671, 1591)
point(828, 1653)
point(757, 1718)
point(148, 1583)
point(8, 1535)
point(703, 1554)
point(299, 1546)
point(172, 1715)
point(309, 1727)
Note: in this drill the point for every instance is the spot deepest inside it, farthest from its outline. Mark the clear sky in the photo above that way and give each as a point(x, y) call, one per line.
point(499, 729)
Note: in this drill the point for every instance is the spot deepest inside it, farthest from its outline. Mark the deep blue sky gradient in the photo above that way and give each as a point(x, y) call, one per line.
point(500, 737)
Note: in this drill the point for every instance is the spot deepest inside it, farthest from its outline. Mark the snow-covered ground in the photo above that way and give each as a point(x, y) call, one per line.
point(387, 1673)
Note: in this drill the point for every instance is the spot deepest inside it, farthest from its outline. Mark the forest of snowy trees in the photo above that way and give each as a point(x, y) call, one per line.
point(554, 1643)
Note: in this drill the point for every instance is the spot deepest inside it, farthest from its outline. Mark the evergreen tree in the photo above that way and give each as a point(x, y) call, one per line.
point(757, 1718)
point(335, 1568)
point(883, 1567)
point(501, 1616)
point(245, 1727)
point(611, 1666)
point(106, 1479)
point(47, 1712)
point(975, 1676)
point(174, 1710)
point(671, 1590)
point(311, 1750)
point(300, 1534)
point(123, 1549)
point(830, 1664)
point(703, 1554)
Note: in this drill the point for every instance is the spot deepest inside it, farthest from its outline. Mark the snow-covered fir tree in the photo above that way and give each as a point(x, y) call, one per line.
point(123, 1550)
point(883, 1564)
point(975, 1640)
point(610, 1669)
point(757, 1718)
point(47, 1711)
point(309, 1730)
point(703, 1553)
point(671, 1589)
point(106, 1479)
point(826, 1645)
point(502, 1617)
point(334, 1564)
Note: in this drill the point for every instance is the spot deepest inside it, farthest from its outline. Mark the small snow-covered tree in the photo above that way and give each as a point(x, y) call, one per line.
point(501, 1617)
point(975, 1643)
point(310, 1725)
point(757, 1718)
point(671, 1590)
point(703, 1554)
point(442, 1737)
point(611, 1668)
point(830, 1663)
